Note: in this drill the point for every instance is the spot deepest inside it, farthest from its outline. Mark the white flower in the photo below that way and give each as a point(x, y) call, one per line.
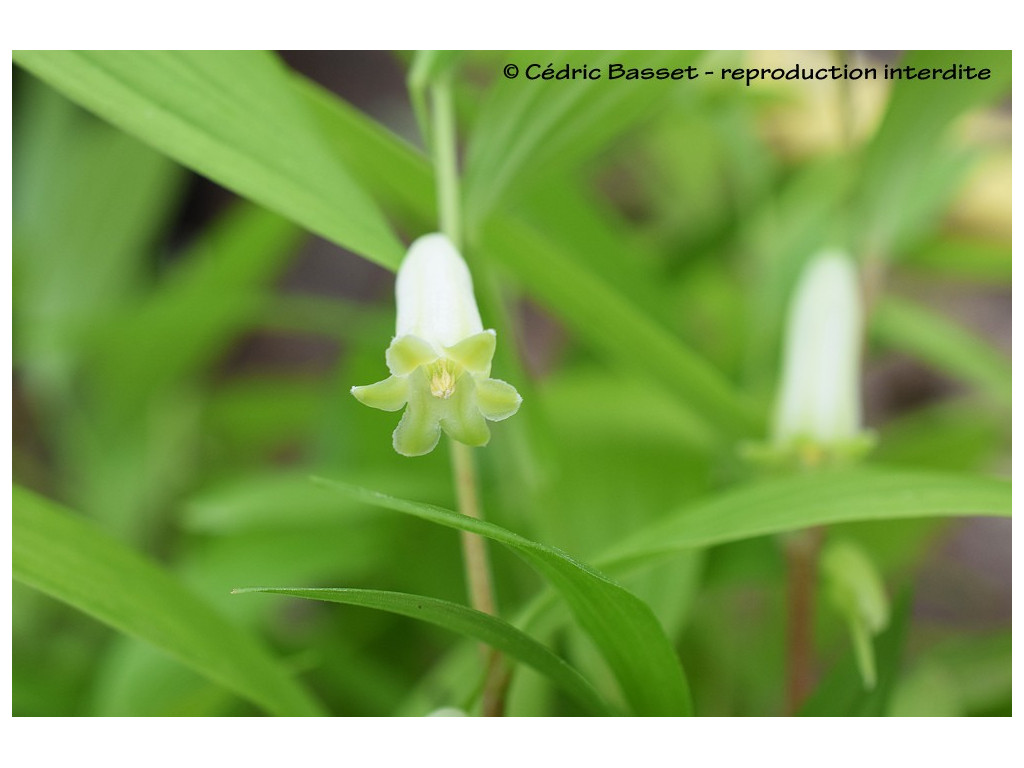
point(819, 400)
point(440, 358)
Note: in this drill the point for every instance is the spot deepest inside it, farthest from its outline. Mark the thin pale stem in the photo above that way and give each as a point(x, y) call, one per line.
point(478, 575)
point(478, 571)
point(474, 548)
point(446, 165)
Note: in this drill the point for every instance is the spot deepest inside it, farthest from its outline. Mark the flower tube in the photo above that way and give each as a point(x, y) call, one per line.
point(818, 411)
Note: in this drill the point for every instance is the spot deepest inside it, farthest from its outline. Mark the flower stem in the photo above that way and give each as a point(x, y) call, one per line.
point(474, 548)
point(478, 572)
point(445, 159)
point(478, 575)
point(801, 549)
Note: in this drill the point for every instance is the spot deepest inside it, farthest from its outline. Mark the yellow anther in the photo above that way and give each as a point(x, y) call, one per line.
point(442, 379)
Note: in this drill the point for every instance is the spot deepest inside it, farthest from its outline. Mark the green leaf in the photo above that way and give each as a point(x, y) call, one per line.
point(90, 202)
point(622, 626)
point(232, 117)
point(527, 126)
point(792, 503)
point(971, 260)
point(88, 193)
point(397, 174)
point(585, 225)
point(953, 435)
point(263, 500)
point(135, 679)
point(936, 340)
point(465, 621)
point(908, 141)
point(820, 498)
point(857, 592)
point(66, 557)
point(920, 110)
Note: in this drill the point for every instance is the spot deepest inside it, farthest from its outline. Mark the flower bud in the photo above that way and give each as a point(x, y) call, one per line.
point(434, 294)
point(818, 407)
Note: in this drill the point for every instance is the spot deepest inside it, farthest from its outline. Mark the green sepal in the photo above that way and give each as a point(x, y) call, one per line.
point(806, 453)
point(497, 399)
point(407, 353)
point(387, 395)
point(474, 353)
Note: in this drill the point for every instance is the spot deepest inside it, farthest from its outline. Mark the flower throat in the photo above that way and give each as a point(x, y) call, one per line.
point(442, 377)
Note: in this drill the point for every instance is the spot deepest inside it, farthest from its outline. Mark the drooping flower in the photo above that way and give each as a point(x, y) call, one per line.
point(440, 357)
point(818, 411)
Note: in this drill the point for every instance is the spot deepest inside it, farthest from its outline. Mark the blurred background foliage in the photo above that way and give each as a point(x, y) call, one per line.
point(182, 359)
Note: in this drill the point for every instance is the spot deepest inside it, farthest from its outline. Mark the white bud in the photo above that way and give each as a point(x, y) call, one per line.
point(819, 400)
point(434, 292)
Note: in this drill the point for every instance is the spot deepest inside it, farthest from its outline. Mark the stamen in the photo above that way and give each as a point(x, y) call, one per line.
point(442, 379)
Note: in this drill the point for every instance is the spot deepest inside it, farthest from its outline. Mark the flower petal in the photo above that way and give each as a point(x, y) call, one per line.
point(497, 399)
point(434, 293)
point(418, 431)
point(407, 353)
point(474, 353)
point(461, 419)
point(820, 393)
point(388, 395)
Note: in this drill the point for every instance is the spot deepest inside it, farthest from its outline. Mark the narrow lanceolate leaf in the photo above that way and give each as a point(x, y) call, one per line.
point(465, 621)
point(526, 126)
point(793, 503)
point(856, 591)
point(69, 559)
point(950, 348)
point(233, 117)
point(822, 498)
point(908, 141)
point(621, 625)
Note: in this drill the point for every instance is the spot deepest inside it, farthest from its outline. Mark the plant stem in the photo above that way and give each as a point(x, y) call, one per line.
point(478, 575)
point(801, 550)
point(445, 160)
point(478, 572)
point(474, 548)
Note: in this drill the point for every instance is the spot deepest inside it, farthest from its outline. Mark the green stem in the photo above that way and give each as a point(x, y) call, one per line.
point(446, 160)
point(474, 548)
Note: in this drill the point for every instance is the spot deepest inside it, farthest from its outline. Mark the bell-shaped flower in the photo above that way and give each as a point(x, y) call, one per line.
point(818, 411)
point(440, 358)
